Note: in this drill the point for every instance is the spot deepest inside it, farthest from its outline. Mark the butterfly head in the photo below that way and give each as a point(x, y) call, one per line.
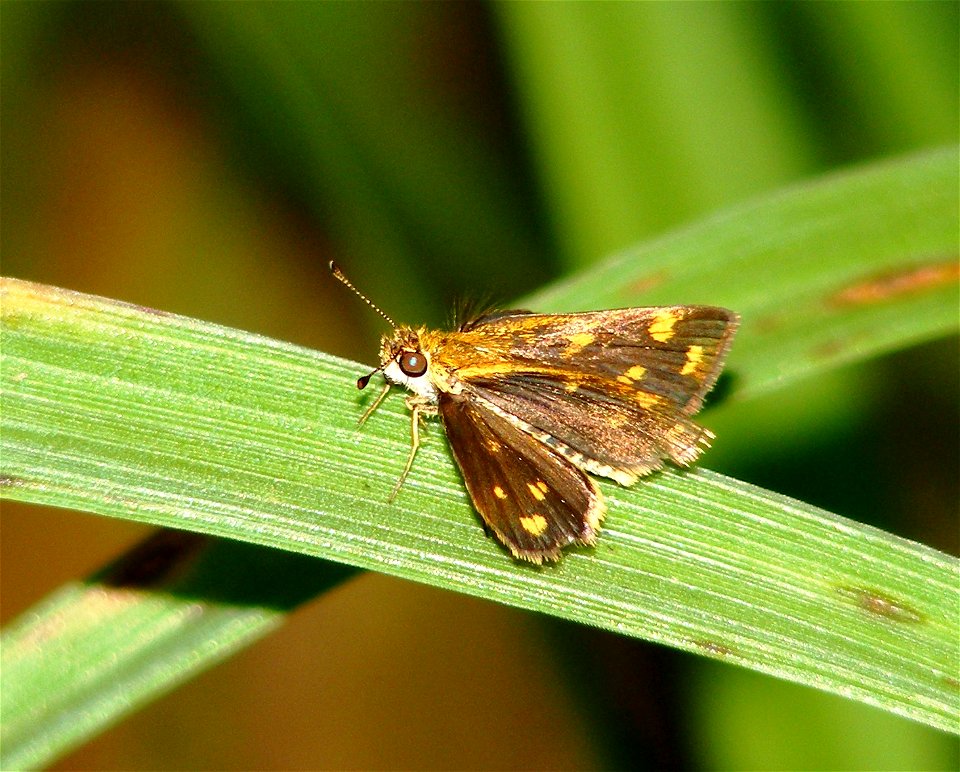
point(405, 362)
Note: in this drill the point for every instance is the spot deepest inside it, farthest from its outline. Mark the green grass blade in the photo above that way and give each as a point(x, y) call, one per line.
point(833, 271)
point(644, 115)
point(133, 413)
point(171, 608)
point(328, 73)
point(621, 102)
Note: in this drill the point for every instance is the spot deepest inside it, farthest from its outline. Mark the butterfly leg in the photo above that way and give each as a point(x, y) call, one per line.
point(417, 406)
point(376, 403)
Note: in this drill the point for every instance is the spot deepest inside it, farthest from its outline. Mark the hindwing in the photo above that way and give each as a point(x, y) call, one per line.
point(534, 499)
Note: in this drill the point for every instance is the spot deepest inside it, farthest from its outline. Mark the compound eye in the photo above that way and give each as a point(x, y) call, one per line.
point(413, 364)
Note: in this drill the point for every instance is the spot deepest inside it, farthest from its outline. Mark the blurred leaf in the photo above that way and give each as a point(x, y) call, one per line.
point(139, 414)
point(742, 720)
point(171, 608)
point(870, 96)
point(831, 271)
point(640, 114)
point(341, 102)
point(645, 115)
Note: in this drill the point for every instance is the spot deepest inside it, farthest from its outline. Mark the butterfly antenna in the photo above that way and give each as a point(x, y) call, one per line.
point(363, 381)
point(338, 274)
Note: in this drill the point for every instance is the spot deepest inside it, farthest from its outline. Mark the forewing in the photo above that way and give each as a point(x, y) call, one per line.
point(674, 352)
point(615, 387)
point(533, 499)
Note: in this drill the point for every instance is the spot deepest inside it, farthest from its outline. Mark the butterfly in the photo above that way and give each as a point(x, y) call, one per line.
point(531, 403)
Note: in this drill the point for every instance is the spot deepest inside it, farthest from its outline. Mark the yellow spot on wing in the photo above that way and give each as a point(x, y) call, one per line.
point(661, 328)
point(634, 374)
point(535, 490)
point(694, 358)
point(534, 524)
point(542, 486)
point(499, 492)
point(492, 445)
point(578, 342)
point(646, 399)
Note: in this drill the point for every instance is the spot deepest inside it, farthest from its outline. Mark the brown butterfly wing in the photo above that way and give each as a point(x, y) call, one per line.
point(534, 499)
point(615, 387)
point(601, 432)
point(681, 349)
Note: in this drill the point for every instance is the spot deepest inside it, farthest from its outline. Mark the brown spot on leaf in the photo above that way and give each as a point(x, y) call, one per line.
point(884, 287)
point(881, 605)
point(770, 323)
point(645, 283)
point(830, 349)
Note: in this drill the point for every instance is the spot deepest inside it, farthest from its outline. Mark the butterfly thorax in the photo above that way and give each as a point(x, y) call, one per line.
point(429, 362)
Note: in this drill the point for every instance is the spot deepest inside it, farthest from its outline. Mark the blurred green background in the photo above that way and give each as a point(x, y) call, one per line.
point(209, 159)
